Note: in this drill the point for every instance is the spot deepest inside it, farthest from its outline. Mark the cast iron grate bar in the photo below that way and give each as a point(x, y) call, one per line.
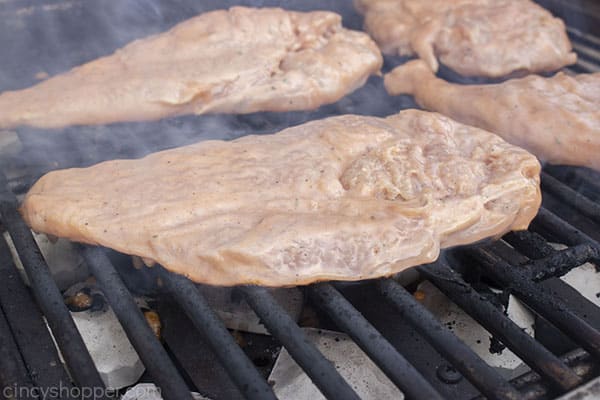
point(484, 377)
point(548, 222)
point(29, 329)
point(532, 386)
point(47, 294)
point(569, 196)
point(589, 42)
point(501, 326)
point(531, 244)
point(554, 265)
point(580, 177)
point(14, 378)
point(257, 288)
point(387, 358)
point(536, 297)
point(562, 261)
point(552, 262)
point(149, 349)
point(239, 367)
point(281, 326)
point(469, 364)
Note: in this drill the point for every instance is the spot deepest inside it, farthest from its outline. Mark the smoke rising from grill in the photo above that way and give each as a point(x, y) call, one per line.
point(45, 40)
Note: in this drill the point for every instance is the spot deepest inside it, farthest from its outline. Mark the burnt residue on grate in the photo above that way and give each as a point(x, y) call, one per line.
point(498, 264)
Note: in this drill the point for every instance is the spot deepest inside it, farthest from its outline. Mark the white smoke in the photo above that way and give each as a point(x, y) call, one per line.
point(41, 40)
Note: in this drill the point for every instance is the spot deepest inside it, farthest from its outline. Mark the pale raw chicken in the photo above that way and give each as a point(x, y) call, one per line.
point(487, 38)
point(557, 118)
point(347, 198)
point(240, 60)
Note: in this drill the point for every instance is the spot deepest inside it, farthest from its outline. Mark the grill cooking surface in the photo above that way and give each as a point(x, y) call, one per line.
point(416, 351)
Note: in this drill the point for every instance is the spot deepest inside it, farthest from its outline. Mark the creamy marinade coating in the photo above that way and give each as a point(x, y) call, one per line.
point(240, 60)
point(556, 118)
point(347, 198)
point(490, 38)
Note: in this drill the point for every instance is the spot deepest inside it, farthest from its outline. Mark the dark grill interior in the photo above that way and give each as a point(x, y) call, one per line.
point(407, 342)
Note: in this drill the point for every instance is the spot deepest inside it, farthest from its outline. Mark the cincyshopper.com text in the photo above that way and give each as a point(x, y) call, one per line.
point(71, 392)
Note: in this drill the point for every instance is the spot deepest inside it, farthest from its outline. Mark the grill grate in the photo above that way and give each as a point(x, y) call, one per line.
point(48, 296)
point(372, 342)
point(523, 264)
point(504, 264)
point(24, 318)
point(239, 367)
point(502, 327)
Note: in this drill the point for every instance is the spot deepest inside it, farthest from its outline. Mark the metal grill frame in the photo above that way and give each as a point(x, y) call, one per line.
point(520, 268)
point(553, 374)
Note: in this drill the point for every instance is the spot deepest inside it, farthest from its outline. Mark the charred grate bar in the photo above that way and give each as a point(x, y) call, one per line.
point(237, 364)
point(47, 294)
point(581, 203)
point(12, 368)
point(496, 322)
point(554, 375)
point(527, 265)
point(153, 355)
point(540, 300)
point(462, 357)
point(531, 387)
point(530, 244)
point(485, 378)
point(577, 178)
point(553, 263)
point(562, 261)
point(28, 328)
point(280, 325)
point(392, 363)
point(548, 222)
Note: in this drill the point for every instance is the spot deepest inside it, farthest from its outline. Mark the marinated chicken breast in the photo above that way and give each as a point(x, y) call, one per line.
point(347, 198)
point(488, 38)
point(240, 60)
point(557, 118)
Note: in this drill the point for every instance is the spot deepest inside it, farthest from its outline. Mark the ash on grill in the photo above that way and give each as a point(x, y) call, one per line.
point(515, 318)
